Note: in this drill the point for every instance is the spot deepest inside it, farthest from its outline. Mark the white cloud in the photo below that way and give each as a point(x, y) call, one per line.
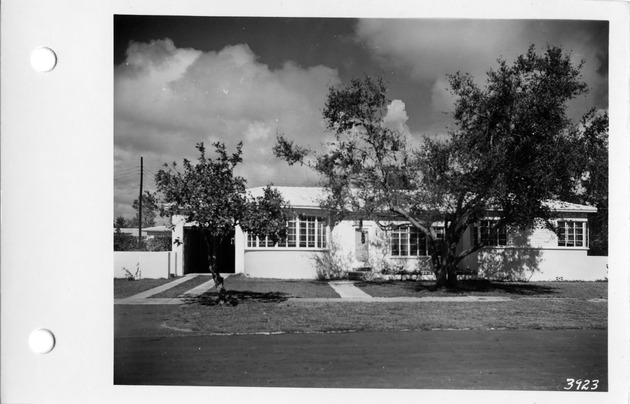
point(168, 99)
point(258, 131)
point(396, 117)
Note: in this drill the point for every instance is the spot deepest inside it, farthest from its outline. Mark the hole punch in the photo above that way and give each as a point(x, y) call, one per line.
point(41, 341)
point(43, 59)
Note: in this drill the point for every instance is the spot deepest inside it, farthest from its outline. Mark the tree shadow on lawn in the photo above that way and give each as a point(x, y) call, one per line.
point(234, 297)
point(480, 286)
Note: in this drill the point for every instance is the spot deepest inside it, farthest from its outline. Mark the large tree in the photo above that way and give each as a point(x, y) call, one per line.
point(212, 198)
point(592, 187)
point(511, 149)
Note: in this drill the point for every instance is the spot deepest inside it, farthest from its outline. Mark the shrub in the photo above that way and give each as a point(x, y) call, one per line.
point(332, 264)
point(125, 242)
point(159, 243)
point(130, 276)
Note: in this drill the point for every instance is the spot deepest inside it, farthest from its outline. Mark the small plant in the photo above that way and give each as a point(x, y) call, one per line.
point(130, 276)
point(332, 264)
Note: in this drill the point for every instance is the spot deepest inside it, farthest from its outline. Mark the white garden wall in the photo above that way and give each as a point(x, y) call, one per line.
point(161, 264)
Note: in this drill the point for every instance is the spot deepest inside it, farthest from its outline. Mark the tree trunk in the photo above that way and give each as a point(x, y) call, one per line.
point(211, 247)
point(440, 273)
point(446, 269)
point(451, 282)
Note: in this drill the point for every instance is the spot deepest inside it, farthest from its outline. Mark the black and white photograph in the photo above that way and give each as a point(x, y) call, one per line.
point(315, 201)
point(361, 203)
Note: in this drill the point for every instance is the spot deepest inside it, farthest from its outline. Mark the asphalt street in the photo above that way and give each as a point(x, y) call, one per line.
point(446, 359)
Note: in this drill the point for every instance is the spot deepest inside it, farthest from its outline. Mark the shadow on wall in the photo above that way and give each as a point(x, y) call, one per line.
point(516, 262)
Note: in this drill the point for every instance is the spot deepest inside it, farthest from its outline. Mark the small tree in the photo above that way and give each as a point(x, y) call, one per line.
point(212, 198)
point(149, 210)
point(511, 150)
point(120, 223)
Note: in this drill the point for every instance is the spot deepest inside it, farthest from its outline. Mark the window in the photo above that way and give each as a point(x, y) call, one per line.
point(483, 233)
point(291, 240)
point(572, 233)
point(408, 242)
point(439, 233)
point(302, 231)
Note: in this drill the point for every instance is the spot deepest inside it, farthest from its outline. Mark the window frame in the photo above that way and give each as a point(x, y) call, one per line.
point(405, 234)
point(562, 225)
point(481, 233)
point(304, 232)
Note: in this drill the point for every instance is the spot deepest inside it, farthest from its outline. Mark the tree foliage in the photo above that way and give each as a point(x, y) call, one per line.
point(592, 187)
point(512, 148)
point(210, 196)
point(149, 210)
point(125, 242)
point(121, 222)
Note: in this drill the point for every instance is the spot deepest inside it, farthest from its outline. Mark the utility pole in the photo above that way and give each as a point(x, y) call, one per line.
point(140, 206)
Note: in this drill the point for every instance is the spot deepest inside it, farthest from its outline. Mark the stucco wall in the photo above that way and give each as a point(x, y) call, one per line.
point(545, 263)
point(534, 264)
point(281, 264)
point(159, 264)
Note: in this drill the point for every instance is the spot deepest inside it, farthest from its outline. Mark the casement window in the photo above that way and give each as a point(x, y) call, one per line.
point(302, 232)
point(440, 233)
point(483, 233)
point(572, 233)
point(407, 242)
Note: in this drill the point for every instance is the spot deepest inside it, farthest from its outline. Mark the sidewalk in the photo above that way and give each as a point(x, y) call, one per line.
point(349, 293)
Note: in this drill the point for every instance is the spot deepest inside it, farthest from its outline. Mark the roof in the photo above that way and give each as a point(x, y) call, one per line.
point(157, 229)
point(310, 197)
point(130, 230)
point(297, 197)
point(561, 206)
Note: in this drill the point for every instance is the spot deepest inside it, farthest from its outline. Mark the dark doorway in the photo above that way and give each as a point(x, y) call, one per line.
point(196, 252)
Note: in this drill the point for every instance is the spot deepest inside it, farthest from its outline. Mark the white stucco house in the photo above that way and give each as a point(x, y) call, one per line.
point(536, 254)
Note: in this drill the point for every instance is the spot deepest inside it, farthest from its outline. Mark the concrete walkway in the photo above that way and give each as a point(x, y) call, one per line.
point(350, 293)
point(347, 290)
point(145, 297)
point(403, 299)
point(202, 288)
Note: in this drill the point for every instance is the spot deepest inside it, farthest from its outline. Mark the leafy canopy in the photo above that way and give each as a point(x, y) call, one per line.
point(512, 148)
point(212, 197)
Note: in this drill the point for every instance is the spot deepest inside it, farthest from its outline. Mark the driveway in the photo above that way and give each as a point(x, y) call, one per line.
point(492, 360)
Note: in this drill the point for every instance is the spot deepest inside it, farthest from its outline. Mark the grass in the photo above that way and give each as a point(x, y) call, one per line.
point(295, 316)
point(263, 306)
point(125, 288)
point(239, 284)
point(513, 290)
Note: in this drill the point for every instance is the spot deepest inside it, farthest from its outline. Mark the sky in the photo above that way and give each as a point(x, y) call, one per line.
point(179, 81)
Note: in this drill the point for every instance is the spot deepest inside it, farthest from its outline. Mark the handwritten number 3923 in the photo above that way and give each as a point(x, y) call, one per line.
point(580, 384)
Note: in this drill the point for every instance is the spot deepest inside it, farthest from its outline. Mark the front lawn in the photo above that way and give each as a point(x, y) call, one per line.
point(125, 288)
point(263, 307)
point(295, 316)
point(513, 290)
point(282, 288)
